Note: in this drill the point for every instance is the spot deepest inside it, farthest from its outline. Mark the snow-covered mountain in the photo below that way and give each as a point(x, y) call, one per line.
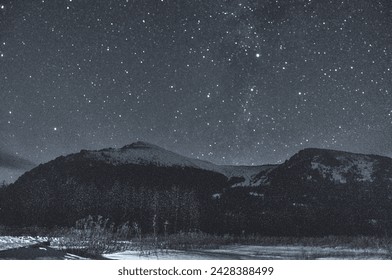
point(119, 183)
point(323, 167)
point(143, 153)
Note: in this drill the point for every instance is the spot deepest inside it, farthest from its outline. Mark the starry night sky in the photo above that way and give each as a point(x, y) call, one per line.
point(232, 82)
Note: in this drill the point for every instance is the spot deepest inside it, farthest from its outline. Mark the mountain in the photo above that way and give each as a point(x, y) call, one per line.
point(318, 192)
point(132, 183)
point(315, 192)
point(312, 167)
point(143, 153)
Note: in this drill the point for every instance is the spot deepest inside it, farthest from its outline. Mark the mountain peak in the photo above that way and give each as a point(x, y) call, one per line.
point(312, 150)
point(140, 145)
point(142, 153)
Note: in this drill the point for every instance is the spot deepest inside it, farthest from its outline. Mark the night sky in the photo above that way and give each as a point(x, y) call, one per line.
point(231, 82)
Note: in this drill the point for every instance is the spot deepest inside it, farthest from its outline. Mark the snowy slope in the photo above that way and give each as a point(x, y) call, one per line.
point(354, 166)
point(145, 153)
point(249, 173)
point(319, 167)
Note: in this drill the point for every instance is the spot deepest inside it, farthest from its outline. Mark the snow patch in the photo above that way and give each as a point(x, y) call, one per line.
point(358, 167)
point(11, 242)
point(216, 196)
point(256, 194)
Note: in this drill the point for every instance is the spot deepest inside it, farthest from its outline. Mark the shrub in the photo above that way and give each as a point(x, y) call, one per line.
point(93, 236)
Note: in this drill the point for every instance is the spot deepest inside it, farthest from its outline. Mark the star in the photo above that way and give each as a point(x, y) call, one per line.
point(253, 79)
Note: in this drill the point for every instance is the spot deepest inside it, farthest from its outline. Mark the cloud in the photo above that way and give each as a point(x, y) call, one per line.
point(10, 161)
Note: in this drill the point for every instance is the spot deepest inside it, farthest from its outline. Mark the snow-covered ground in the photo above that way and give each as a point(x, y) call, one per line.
point(233, 252)
point(11, 242)
point(246, 252)
point(32, 248)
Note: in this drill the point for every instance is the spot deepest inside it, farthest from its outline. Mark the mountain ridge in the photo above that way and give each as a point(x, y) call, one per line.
point(143, 153)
